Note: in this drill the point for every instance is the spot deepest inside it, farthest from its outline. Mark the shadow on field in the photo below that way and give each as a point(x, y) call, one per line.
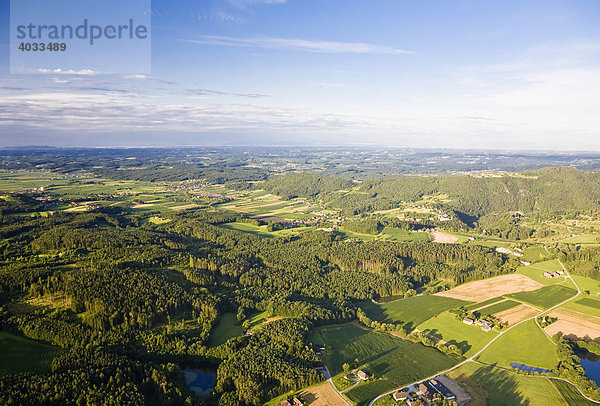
point(502, 383)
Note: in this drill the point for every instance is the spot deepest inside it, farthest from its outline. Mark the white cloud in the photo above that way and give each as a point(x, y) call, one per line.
point(84, 72)
point(316, 46)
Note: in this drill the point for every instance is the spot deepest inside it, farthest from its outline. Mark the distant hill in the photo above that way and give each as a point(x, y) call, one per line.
point(544, 190)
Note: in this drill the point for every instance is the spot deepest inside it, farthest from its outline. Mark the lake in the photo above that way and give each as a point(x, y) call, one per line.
point(589, 362)
point(200, 379)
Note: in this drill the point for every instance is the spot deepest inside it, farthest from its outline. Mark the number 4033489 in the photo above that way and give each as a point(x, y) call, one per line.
point(43, 46)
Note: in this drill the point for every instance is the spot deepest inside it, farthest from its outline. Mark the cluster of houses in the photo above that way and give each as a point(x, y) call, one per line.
point(484, 324)
point(426, 390)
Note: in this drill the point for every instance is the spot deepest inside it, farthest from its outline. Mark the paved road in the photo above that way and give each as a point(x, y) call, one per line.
point(472, 358)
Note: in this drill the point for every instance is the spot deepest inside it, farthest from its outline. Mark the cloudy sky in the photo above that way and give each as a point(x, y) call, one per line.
point(449, 73)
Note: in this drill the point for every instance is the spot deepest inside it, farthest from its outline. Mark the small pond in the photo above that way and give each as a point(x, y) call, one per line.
point(590, 362)
point(200, 378)
point(527, 368)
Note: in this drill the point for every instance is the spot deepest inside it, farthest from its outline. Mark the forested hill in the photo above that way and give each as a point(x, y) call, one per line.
point(544, 190)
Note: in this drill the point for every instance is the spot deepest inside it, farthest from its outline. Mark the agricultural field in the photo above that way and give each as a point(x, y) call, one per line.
point(448, 328)
point(391, 361)
point(482, 290)
point(494, 386)
point(18, 354)
point(412, 311)
point(484, 303)
point(517, 314)
point(227, 327)
point(525, 343)
point(545, 297)
point(572, 323)
point(585, 304)
point(496, 308)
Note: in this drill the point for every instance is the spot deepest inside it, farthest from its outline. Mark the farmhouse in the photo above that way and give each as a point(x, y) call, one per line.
point(425, 391)
point(362, 375)
point(468, 321)
point(400, 396)
point(441, 388)
point(549, 274)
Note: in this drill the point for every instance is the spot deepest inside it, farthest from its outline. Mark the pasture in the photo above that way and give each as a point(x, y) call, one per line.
point(545, 297)
point(448, 328)
point(526, 344)
point(411, 311)
point(19, 354)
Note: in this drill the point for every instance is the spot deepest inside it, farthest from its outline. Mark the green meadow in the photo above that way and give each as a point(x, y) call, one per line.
point(447, 327)
point(18, 354)
point(525, 343)
point(412, 311)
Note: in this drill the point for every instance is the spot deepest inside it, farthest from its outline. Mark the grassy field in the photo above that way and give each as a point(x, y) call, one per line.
point(545, 297)
point(570, 394)
point(445, 326)
point(586, 304)
point(18, 354)
point(227, 328)
point(493, 386)
point(396, 234)
point(535, 254)
point(588, 284)
point(526, 344)
point(412, 311)
point(248, 228)
point(583, 239)
point(497, 308)
point(391, 361)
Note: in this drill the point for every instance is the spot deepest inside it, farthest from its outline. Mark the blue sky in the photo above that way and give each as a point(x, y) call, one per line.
point(458, 74)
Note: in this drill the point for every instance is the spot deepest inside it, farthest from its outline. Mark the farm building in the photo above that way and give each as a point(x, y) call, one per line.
point(549, 274)
point(441, 388)
point(362, 375)
point(468, 321)
point(425, 391)
point(400, 396)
